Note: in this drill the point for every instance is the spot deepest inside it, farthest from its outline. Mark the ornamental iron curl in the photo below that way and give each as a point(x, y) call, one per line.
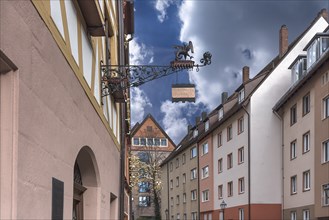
point(120, 77)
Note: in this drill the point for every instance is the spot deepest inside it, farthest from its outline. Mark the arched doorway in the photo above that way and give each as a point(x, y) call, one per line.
point(85, 185)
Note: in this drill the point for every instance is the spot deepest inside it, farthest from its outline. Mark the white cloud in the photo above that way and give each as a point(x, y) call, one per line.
point(161, 6)
point(139, 53)
point(139, 101)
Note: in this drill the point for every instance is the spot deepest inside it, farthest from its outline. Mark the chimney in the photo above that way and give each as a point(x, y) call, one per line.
point(283, 38)
point(197, 120)
point(203, 115)
point(224, 97)
point(245, 74)
point(324, 14)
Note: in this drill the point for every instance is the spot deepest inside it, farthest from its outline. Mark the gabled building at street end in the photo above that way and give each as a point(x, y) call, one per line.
point(151, 144)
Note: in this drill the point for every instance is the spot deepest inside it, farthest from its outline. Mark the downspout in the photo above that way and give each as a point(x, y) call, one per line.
point(123, 110)
point(249, 180)
point(282, 163)
point(199, 193)
point(167, 217)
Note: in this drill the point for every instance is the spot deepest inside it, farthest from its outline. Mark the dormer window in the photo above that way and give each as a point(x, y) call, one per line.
point(298, 68)
point(206, 125)
point(241, 95)
point(318, 45)
point(195, 133)
point(220, 113)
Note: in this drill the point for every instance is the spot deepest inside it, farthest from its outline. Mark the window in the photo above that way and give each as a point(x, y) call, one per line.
point(194, 215)
point(230, 189)
point(149, 128)
point(241, 155)
point(144, 187)
point(241, 95)
point(325, 194)
point(205, 172)
point(325, 146)
point(205, 148)
point(219, 139)
point(220, 191)
point(193, 195)
point(195, 132)
point(177, 181)
point(193, 174)
point(241, 185)
point(293, 115)
point(229, 132)
point(240, 125)
point(171, 166)
point(316, 49)
point(184, 197)
point(184, 216)
point(306, 142)
point(172, 201)
point(136, 141)
point(149, 141)
point(293, 153)
point(326, 107)
point(143, 141)
point(183, 159)
point(163, 142)
point(241, 214)
point(293, 215)
point(229, 161)
point(206, 126)
point(220, 113)
point(220, 165)
point(306, 180)
point(178, 217)
point(306, 104)
point(193, 152)
point(144, 201)
point(205, 196)
point(298, 69)
point(171, 184)
point(177, 162)
point(293, 185)
point(157, 142)
point(177, 200)
point(306, 214)
point(184, 178)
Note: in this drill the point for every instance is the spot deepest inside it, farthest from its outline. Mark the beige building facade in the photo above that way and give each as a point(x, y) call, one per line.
point(60, 137)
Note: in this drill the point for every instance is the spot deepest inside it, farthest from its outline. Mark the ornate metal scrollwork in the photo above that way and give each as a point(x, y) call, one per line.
point(116, 78)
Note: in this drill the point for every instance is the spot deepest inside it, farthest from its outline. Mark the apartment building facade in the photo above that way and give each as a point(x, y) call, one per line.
point(246, 146)
point(304, 114)
point(148, 142)
point(180, 176)
point(61, 138)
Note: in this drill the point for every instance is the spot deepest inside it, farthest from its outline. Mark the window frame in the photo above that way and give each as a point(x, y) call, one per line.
point(220, 191)
point(306, 146)
point(206, 125)
point(306, 180)
point(220, 165)
point(306, 216)
point(241, 155)
point(293, 185)
point(194, 152)
point(307, 108)
point(229, 133)
point(194, 172)
point(293, 145)
point(240, 125)
point(194, 195)
point(293, 215)
point(205, 148)
point(325, 151)
point(230, 189)
point(205, 195)
point(229, 161)
point(325, 103)
point(241, 185)
point(184, 178)
point(205, 172)
point(325, 196)
point(293, 115)
point(219, 139)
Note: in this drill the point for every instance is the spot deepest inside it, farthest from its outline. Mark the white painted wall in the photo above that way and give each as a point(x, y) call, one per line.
point(56, 15)
point(266, 161)
point(72, 22)
point(237, 171)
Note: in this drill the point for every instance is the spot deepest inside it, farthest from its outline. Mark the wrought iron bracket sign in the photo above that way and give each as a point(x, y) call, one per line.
point(116, 78)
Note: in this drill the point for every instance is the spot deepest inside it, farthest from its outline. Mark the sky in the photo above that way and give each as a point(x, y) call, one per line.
point(237, 33)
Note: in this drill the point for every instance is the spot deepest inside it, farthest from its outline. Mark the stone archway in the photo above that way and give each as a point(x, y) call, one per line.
point(85, 185)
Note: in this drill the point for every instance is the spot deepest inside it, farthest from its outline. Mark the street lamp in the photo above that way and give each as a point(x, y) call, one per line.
point(167, 213)
point(223, 206)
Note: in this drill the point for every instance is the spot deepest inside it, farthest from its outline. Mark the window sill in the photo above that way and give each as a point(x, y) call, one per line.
point(307, 190)
point(324, 162)
point(291, 159)
point(241, 162)
point(305, 152)
point(292, 194)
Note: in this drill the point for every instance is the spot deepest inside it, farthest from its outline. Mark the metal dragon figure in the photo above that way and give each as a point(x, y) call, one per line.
point(183, 51)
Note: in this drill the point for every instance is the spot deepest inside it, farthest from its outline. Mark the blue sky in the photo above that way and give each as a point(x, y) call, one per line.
point(237, 33)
